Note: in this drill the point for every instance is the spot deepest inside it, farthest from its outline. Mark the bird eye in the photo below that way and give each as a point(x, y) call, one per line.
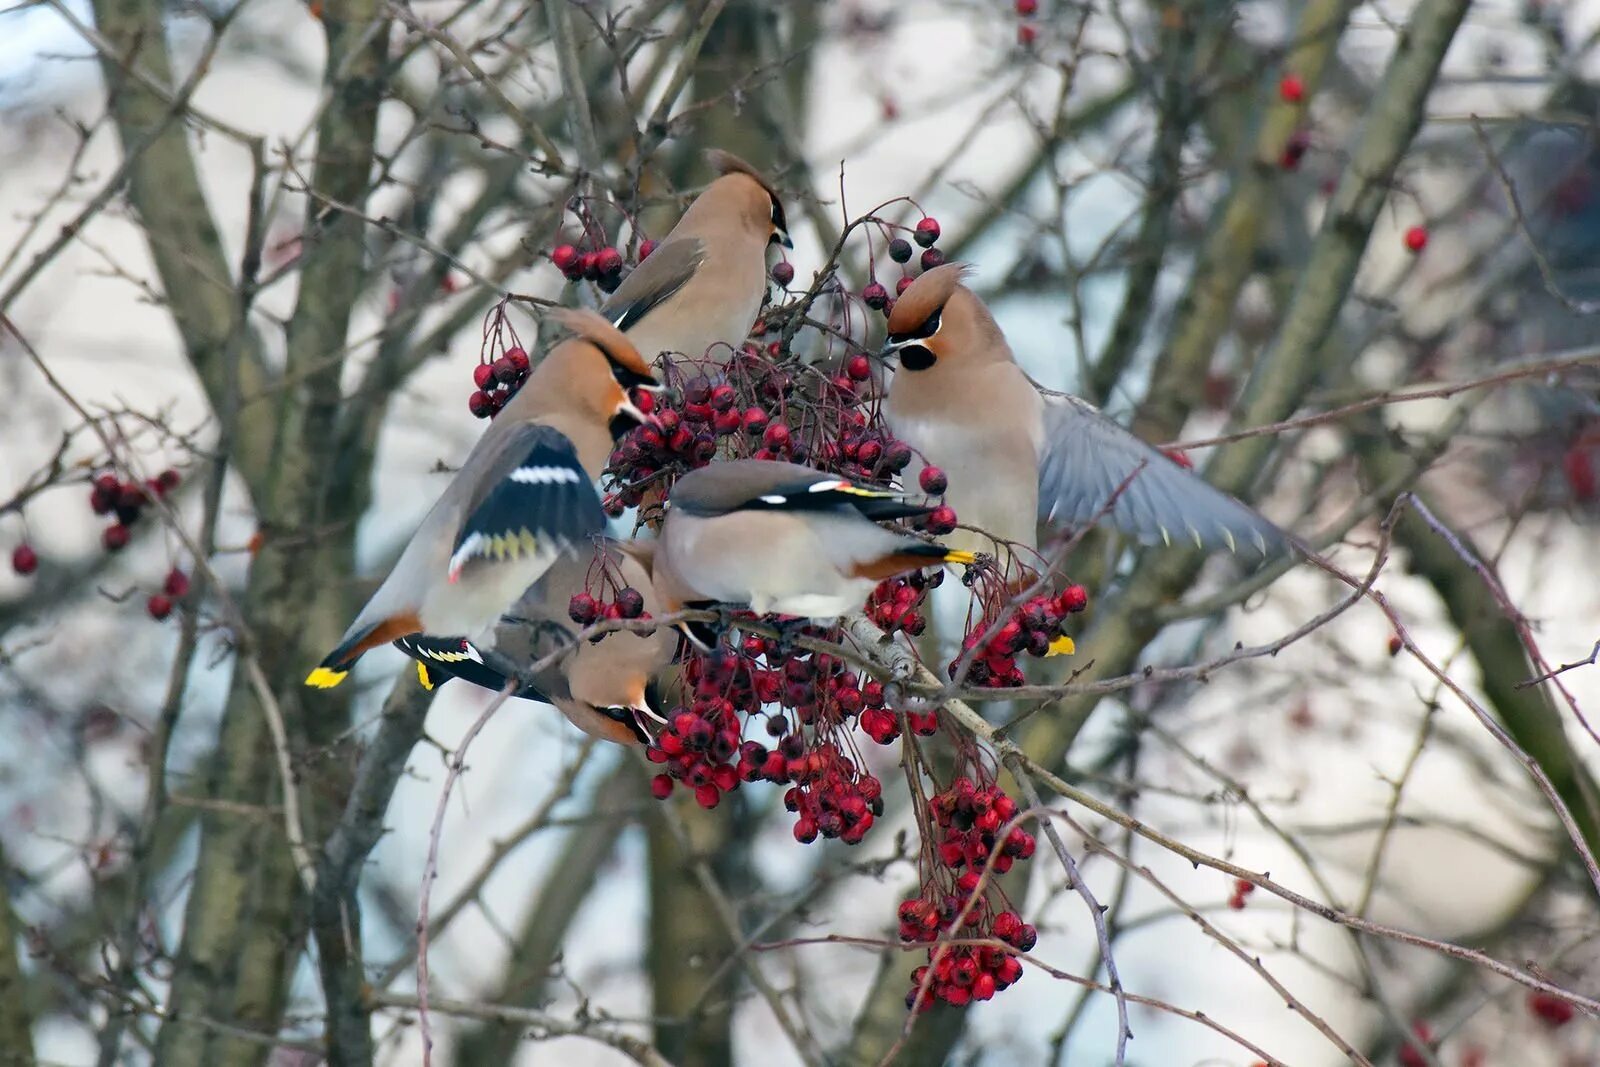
point(929, 327)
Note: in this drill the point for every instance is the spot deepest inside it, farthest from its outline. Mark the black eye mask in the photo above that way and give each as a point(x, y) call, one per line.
point(929, 327)
point(916, 357)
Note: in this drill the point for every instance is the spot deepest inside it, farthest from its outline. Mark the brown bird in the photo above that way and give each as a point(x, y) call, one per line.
point(697, 295)
point(1014, 455)
point(605, 688)
point(524, 498)
point(780, 538)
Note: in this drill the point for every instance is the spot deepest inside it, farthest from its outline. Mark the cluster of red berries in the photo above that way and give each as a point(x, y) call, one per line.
point(1033, 629)
point(814, 696)
point(1027, 30)
point(1241, 890)
point(126, 500)
point(601, 265)
point(496, 380)
point(759, 410)
point(926, 235)
point(896, 604)
point(970, 815)
point(175, 587)
point(625, 602)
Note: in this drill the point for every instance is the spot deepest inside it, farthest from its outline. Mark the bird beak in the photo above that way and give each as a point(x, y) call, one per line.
point(891, 349)
point(653, 389)
point(627, 407)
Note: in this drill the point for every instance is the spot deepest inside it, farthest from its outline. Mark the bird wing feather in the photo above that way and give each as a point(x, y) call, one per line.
point(1085, 457)
point(534, 497)
point(663, 273)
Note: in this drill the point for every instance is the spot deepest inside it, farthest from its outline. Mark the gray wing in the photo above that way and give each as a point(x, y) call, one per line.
point(663, 273)
point(1085, 457)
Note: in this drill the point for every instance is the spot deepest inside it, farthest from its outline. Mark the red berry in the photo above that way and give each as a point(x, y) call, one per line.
point(1409, 1056)
point(900, 250)
point(107, 483)
point(783, 272)
point(177, 583)
point(1291, 88)
point(875, 296)
point(101, 500)
point(1550, 1009)
point(1074, 598)
point(483, 376)
point(932, 258)
point(504, 370)
point(661, 786)
point(1395, 644)
point(24, 560)
point(159, 606)
point(481, 404)
point(630, 603)
point(777, 436)
point(1294, 150)
point(608, 261)
point(582, 609)
point(115, 538)
point(941, 520)
point(131, 496)
point(755, 421)
point(1578, 466)
point(903, 284)
point(707, 795)
point(1027, 8)
point(565, 257)
point(858, 368)
point(518, 358)
point(168, 480)
point(927, 232)
point(933, 481)
point(1416, 239)
point(646, 246)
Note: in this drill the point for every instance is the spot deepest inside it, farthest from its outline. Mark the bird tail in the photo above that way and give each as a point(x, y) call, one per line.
point(357, 641)
point(910, 555)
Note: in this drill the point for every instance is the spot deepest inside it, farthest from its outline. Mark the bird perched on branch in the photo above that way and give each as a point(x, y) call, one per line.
point(782, 538)
point(1014, 455)
point(605, 687)
point(524, 498)
point(698, 293)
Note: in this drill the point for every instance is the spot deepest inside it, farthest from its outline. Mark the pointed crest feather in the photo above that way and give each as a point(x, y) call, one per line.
point(725, 163)
point(591, 326)
point(927, 294)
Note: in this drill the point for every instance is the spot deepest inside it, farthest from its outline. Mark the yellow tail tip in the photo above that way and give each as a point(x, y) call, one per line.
point(1061, 646)
point(325, 678)
point(958, 556)
point(422, 676)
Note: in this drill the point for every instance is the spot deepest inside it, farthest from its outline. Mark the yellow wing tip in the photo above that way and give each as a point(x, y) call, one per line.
point(956, 555)
point(1061, 646)
point(422, 676)
point(325, 678)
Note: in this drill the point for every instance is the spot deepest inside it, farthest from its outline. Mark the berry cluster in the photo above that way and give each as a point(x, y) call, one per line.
point(601, 265)
point(174, 588)
point(760, 409)
point(926, 234)
point(626, 602)
point(896, 603)
point(1037, 628)
point(126, 500)
point(807, 703)
point(496, 380)
point(969, 816)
